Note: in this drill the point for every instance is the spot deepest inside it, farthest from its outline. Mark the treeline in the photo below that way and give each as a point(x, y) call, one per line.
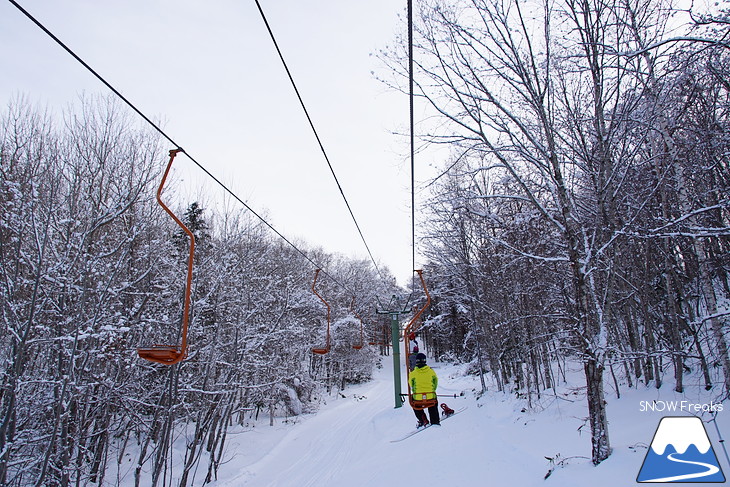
point(585, 213)
point(91, 268)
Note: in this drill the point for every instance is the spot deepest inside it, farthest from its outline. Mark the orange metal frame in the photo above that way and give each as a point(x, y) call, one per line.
point(379, 330)
point(326, 349)
point(411, 328)
point(172, 354)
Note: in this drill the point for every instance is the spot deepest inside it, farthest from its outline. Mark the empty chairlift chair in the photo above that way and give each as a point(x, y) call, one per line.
point(326, 348)
point(172, 354)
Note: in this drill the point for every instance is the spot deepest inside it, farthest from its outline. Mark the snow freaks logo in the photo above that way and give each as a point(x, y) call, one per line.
point(680, 452)
point(679, 406)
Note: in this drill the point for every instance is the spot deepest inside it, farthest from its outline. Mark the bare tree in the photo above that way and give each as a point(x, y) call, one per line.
point(542, 95)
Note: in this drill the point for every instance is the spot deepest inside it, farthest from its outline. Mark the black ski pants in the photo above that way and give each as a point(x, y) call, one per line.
point(433, 414)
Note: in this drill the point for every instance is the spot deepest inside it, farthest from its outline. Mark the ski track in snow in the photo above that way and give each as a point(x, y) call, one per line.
point(348, 443)
point(319, 451)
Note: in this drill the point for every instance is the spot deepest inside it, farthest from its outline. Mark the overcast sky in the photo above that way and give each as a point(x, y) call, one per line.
point(210, 72)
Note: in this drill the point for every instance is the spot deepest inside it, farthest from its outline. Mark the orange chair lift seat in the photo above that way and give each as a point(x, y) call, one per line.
point(326, 348)
point(172, 354)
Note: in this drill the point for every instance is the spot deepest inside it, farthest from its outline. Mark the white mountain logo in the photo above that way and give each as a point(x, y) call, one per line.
point(680, 452)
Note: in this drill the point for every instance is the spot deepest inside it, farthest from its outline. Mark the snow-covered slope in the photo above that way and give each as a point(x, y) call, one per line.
point(496, 441)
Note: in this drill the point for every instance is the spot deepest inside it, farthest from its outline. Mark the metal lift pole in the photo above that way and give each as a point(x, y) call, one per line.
point(395, 313)
point(394, 337)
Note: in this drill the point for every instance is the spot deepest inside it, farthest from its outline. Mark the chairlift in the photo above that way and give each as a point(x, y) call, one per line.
point(172, 354)
point(326, 348)
point(373, 335)
point(377, 335)
point(424, 402)
point(362, 342)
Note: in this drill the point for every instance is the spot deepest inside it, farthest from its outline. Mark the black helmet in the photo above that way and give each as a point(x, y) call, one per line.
point(420, 359)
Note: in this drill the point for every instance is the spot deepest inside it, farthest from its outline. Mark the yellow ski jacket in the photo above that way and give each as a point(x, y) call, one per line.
point(423, 380)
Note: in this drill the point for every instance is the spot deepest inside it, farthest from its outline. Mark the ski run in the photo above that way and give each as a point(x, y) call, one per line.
point(498, 440)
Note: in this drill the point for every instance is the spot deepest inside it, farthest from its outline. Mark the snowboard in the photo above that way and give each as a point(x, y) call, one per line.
point(423, 428)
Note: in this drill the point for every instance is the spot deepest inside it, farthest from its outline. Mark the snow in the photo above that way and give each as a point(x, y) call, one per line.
point(498, 440)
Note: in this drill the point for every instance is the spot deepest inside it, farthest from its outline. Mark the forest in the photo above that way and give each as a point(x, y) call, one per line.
point(92, 268)
point(582, 215)
point(583, 212)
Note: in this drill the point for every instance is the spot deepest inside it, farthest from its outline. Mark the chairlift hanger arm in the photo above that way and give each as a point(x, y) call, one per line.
point(326, 348)
point(409, 328)
point(424, 403)
point(172, 354)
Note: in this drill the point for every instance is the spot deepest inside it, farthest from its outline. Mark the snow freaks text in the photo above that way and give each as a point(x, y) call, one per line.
point(679, 407)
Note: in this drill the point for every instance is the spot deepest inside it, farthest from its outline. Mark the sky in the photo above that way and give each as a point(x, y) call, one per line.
point(209, 72)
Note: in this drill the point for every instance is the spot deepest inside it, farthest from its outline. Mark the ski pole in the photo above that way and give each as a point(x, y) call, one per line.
point(722, 442)
point(441, 395)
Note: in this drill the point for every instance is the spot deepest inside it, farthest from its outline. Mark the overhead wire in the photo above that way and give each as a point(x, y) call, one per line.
point(316, 135)
point(169, 139)
point(412, 138)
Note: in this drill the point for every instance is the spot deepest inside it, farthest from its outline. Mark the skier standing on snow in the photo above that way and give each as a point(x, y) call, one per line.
point(424, 381)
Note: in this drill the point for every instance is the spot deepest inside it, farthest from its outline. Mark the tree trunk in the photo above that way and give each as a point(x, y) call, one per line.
point(708, 293)
point(601, 447)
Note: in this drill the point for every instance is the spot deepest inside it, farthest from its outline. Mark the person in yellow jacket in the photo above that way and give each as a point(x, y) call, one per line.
point(424, 381)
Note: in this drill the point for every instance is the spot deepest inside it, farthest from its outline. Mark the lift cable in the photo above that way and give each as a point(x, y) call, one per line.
point(412, 137)
point(316, 135)
point(178, 146)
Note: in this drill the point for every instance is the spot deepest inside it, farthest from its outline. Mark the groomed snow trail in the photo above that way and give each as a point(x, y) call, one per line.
point(497, 441)
point(348, 443)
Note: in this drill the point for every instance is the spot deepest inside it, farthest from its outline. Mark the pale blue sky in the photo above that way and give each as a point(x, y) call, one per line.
point(209, 71)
